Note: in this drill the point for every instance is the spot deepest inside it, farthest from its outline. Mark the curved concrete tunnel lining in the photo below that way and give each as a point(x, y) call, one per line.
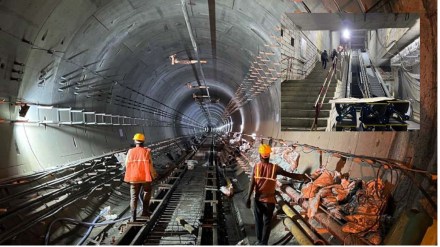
point(122, 28)
point(112, 41)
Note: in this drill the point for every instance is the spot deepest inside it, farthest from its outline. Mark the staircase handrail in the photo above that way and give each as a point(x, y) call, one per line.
point(306, 71)
point(310, 42)
point(382, 83)
point(288, 69)
point(315, 56)
point(341, 64)
point(322, 94)
point(311, 65)
point(286, 57)
point(363, 77)
point(349, 75)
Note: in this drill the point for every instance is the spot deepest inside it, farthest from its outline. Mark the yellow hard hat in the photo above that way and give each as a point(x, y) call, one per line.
point(139, 137)
point(264, 150)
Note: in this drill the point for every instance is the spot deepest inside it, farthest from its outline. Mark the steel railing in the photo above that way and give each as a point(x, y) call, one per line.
point(289, 70)
point(321, 96)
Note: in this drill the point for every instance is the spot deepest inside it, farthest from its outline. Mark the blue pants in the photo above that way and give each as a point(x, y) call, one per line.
point(263, 213)
point(324, 64)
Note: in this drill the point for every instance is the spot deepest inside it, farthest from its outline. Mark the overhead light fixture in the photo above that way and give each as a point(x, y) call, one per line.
point(190, 86)
point(346, 34)
point(195, 96)
point(23, 110)
point(44, 107)
point(174, 60)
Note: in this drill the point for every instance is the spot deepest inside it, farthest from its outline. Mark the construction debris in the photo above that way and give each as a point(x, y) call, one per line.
point(291, 157)
point(358, 203)
point(227, 190)
point(185, 225)
point(191, 164)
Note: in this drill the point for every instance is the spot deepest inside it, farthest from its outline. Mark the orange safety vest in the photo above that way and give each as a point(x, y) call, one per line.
point(139, 166)
point(265, 181)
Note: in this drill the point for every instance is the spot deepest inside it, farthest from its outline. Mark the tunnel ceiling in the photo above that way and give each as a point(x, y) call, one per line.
point(369, 21)
point(122, 48)
point(93, 54)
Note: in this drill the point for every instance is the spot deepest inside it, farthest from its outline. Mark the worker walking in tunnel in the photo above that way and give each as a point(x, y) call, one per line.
point(263, 182)
point(139, 172)
point(334, 56)
point(324, 59)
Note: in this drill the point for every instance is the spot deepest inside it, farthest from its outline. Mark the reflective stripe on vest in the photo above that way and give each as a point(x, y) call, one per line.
point(257, 176)
point(138, 166)
point(265, 182)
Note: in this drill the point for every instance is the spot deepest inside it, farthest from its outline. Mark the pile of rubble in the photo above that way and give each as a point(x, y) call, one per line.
point(358, 203)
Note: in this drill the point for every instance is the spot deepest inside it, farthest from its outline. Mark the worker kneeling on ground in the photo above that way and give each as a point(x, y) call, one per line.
point(263, 182)
point(139, 172)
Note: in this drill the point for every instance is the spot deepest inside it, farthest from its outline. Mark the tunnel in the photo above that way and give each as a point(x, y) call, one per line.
point(207, 83)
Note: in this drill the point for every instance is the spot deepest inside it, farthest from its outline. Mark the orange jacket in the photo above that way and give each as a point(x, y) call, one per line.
point(265, 181)
point(139, 166)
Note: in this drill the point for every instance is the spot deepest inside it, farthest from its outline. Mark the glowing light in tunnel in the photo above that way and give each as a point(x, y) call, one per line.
point(346, 34)
point(44, 107)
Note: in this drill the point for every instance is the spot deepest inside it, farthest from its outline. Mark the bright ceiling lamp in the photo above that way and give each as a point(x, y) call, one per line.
point(346, 34)
point(174, 60)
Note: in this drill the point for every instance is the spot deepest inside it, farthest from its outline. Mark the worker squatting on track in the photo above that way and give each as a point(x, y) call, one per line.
point(139, 172)
point(263, 182)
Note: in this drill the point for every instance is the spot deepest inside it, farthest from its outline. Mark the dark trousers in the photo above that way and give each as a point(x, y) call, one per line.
point(324, 64)
point(263, 213)
point(134, 193)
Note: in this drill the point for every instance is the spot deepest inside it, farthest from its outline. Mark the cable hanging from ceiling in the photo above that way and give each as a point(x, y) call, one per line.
point(196, 52)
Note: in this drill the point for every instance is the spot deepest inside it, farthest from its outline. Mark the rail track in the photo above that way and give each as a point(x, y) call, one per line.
point(184, 208)
point(28, 204)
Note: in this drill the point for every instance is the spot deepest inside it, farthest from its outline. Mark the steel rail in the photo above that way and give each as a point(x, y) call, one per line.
point(185, 188)
point(77, 191)
point(161, 179)
point(136, 235)
point(323, 93)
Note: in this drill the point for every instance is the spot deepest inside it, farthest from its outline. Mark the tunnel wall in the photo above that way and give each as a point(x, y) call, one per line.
point(70, 28)
point(381, 41)
point(31, 147)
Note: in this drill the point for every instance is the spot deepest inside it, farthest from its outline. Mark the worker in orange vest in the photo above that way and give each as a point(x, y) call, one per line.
point(139, 172)
point(263, 182)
